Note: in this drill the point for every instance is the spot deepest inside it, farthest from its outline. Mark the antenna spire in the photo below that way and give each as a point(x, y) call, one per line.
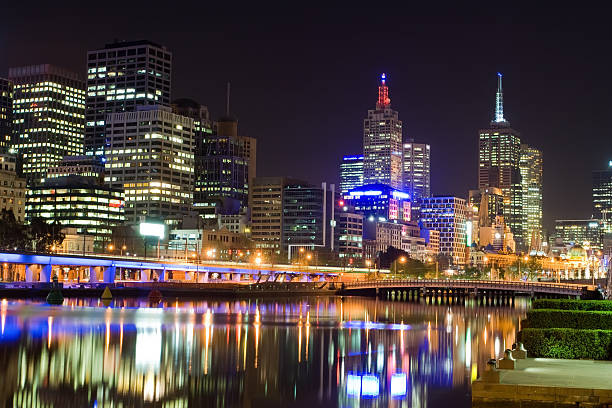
point(383, 93)
point(499, 101)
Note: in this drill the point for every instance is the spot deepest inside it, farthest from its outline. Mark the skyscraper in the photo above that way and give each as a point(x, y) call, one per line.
point(48, 117)
point(447, 215)
point(531, 179)
point(602, 196)
point(351, 173)
point(120, 77)
point(6, 114)
point(417, 180)
point(499, 164)
point(151, 156)
point(382, 142)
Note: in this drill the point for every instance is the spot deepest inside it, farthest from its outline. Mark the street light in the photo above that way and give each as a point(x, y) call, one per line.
point(430, 260)
point(123, 248)
point(111, 247)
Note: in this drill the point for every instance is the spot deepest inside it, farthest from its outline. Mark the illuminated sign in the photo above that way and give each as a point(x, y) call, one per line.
point(366, 193)
point(468, 232)
point(399, 194)
point(148, 229)
point(116, 204)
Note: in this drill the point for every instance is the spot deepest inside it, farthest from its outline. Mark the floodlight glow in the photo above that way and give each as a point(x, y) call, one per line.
point(398, 384)
point(153, 230)
point(370, 386)
point(353, 385)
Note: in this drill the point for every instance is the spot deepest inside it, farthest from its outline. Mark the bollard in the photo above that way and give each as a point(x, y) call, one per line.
point(490, 375)
point(519, 352)
point(508, 362)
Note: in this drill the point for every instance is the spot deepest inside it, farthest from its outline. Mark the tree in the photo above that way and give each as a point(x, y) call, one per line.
point(44, 236)
point(13, 235)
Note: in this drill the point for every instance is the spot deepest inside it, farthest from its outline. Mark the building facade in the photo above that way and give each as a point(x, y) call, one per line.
point(80, 203)
point(417, 179)
point(120, 77)
point(86, 166)
point(587, 233)
point(531, 180)
point(499, 154)
point(351, 173)
point(379, 202)
point(48, 117)
point(150, 155)
point(602, 196)
point(447, 215)
point(6, 114)
point(382, 142)
point(12, 188)
point(350, 240)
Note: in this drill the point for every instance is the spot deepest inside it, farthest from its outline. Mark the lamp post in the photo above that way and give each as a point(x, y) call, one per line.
point(430, 260)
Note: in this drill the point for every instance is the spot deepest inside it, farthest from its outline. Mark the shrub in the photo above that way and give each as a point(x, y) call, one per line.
point(568, 343)
point(572, 319)
point(573, 304)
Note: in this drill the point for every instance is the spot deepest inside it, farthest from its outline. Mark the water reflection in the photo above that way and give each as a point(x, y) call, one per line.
point(307, 352)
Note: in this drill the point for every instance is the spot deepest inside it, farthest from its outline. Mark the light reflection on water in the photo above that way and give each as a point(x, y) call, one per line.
point(294, 352)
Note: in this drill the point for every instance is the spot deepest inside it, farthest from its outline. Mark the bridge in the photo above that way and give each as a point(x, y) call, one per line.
point(34, 267)
point(460, 288)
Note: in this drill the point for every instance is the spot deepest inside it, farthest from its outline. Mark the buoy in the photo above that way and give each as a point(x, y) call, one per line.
point(106, 294)
point(55, 296)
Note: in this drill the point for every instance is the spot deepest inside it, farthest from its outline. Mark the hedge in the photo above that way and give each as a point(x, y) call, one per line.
point(572, 319)
point(573, 304)
point(568, 343)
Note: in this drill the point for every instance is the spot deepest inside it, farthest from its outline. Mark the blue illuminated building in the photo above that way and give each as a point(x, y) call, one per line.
point(351, 173)
point(379, 202)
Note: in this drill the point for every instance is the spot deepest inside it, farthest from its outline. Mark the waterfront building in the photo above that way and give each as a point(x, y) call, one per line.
point(379, 202)
point(48, 117)
point(78, 202)
point(351, 173)
point(120, 77)
point(6, 114)
point(151, 156)
point(586, 233)
point(310, 216)
point(86, 166)
point(432, 240)
point(382, 142)
point(267, 211)
point(350, 229)
point(388, 234)
point(12, 188)
point(499, 164)
point(76, 243)
point(417, 180)
point(602, 196)
point(448, 216)
point(531, 180)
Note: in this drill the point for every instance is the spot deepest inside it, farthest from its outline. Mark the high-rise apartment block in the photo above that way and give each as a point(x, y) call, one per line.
point(48, 117)
point(499, 164)
point(531, 180)
point(602, 196)
point(417, 180)
point(120, 77)
point(151, 156)
point(447, 215)
point(6, 114)
point(382, 142)
point(351, 173)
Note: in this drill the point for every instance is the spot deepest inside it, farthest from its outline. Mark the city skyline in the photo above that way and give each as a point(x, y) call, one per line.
point(553, 108)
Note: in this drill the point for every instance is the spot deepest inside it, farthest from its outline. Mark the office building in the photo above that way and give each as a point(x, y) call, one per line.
point(586, 233)
point(602, 196)
point(267, 211)
point(48, 117)
point(350, 228)
point(151, 156)
point(382, 142)
point(447, 215)
point(310, 217)
point(86, 166)
point(78, 202)
point(417, 180)
point(499, 165)
point(379, 202)
point(531, 180)
point(6, 114)
point(351, 173)
point(12, 188)
point(120, 77)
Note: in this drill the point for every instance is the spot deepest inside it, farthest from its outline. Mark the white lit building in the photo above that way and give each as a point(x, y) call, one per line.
point(151, 156)
point(417, 180)
point(447, 215)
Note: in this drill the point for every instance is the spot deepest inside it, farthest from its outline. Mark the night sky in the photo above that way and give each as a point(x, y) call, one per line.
point(303, 79)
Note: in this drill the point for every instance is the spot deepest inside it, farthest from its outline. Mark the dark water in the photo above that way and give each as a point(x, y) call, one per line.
point(311, 352)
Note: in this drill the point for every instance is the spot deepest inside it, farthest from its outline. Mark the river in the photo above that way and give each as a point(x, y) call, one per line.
point(294, 352)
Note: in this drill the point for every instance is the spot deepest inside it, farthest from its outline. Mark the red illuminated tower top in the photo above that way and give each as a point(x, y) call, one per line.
point(383, 94)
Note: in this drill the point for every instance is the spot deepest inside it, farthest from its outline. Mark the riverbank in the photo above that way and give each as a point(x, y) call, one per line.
point(542, 382)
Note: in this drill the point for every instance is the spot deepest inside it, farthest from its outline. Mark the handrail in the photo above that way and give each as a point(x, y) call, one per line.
point(465, 283)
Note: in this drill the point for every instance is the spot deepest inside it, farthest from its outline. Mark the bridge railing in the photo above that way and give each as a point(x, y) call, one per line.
point(484, 284)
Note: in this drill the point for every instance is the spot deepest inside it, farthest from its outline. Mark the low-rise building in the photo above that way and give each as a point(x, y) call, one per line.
point(350, 227)
point(12, 188)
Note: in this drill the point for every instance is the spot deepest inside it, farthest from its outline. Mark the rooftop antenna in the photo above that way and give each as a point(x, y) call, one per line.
point(499, 101)
point(227, 111)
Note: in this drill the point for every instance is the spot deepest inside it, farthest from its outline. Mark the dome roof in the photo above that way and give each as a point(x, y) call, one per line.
point(577, 251)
